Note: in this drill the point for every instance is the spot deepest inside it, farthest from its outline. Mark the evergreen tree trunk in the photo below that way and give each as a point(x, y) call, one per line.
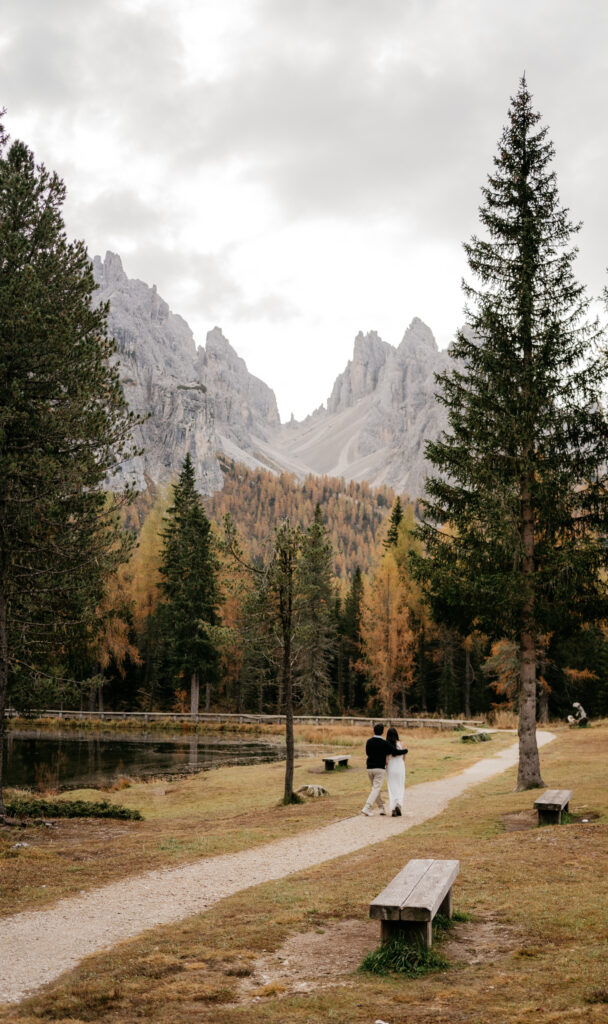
point(208, 696)
point(543, 705)
point(542, 690)
point(422, 670)
point(468, 678)
point(286, 602)
point(528, 774)
point(194, 694)
point(3, 687)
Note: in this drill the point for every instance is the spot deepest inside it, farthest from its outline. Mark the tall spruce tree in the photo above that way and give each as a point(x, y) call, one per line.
point(189, 586)
point(64, 426)
point(522, 499)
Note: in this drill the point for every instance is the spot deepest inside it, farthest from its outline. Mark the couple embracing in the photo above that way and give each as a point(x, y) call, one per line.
point(385, 760)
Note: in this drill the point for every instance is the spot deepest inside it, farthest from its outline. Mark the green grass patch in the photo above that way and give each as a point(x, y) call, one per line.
point(32, 807)
point(399, 957)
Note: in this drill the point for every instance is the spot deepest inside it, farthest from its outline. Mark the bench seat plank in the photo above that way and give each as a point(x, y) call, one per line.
point(387, 905)
point(426, 898)
point(417, 892)
point(554, 799)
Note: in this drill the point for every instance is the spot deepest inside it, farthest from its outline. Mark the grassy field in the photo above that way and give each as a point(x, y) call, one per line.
point(535, 948)
point(218, 811)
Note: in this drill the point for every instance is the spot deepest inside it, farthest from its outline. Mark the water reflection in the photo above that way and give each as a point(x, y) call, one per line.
point(77, 759)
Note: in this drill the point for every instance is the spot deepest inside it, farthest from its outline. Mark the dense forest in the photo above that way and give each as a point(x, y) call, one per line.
point(185, 625)
point(258, 500)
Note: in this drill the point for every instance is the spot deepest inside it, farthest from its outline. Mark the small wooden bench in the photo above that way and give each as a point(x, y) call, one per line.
point(551, 804)
point(331, 762)
point(409, 903)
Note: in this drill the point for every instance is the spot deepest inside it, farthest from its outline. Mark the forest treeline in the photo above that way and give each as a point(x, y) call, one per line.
point(258, 500)
point(193, 620)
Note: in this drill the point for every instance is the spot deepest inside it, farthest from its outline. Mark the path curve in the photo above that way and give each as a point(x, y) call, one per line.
point(37, 946)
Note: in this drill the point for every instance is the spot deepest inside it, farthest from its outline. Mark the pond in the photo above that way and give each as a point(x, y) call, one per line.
point(68, 759)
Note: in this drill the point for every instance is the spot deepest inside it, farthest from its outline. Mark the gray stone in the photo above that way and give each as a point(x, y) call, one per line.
point(314, 791)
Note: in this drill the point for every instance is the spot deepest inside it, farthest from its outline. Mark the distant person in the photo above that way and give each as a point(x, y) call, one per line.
point(395, 775)
point(377, 750)
point(579, 717)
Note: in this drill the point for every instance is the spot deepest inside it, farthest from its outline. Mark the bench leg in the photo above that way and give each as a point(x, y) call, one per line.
point(549, 817)
point(329, 766)
point(447, 907)
point(418, 933)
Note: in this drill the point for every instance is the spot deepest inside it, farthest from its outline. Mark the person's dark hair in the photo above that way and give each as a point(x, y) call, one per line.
point(392, 736)
point(378, 729)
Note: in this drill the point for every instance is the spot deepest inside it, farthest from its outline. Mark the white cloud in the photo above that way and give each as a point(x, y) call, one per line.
point(297, 172)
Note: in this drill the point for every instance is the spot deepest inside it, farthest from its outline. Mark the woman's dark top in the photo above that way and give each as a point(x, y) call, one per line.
point(377, 751)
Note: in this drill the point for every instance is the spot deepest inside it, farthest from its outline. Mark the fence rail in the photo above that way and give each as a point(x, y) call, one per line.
point(243, 719)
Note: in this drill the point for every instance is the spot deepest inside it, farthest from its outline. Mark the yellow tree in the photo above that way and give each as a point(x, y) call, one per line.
point(144, 566)
point(387, 638)
point(420, 622)
point(143, 590)
point(111, 642)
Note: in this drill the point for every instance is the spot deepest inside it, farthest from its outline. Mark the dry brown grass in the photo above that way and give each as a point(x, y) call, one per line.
point(540, 895)
point(218, 811)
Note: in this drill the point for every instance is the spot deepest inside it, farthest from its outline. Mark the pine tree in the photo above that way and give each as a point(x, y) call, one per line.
point(523, 485)
point(395, 519)
point(189, 586)
point(317, 631)
point(64, 427)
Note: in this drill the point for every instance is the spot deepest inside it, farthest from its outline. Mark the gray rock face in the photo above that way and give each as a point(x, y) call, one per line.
point(360, 377)
point(201, 401)
point(380, 412)
point(244, 405)
point(204, 400)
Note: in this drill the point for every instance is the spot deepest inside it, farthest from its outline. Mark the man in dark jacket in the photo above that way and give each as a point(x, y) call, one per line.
point(377, 751)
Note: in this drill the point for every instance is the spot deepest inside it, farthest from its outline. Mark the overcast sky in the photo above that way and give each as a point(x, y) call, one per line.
point(295, 171)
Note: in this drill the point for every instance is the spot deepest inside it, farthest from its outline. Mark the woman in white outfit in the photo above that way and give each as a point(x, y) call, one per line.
point(395, 776)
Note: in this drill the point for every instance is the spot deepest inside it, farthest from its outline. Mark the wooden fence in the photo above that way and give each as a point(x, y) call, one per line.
point(232, 719)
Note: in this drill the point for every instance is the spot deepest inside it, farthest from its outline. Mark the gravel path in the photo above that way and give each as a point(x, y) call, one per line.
point(37, 946)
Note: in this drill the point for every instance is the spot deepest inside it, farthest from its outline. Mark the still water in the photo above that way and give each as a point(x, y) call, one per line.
point(38, 759)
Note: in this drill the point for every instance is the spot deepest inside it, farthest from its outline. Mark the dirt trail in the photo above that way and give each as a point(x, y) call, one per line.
point(37, 946)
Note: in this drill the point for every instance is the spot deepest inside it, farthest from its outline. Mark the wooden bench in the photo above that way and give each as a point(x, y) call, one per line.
point(331, 762)
point(551, 804)
point(409, 903)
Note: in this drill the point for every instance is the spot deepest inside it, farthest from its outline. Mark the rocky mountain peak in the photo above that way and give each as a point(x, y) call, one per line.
point(361, 375)
point(109, 272)
point(204, 401)
point(244, 405)
point(217, 347)
point(418, 340)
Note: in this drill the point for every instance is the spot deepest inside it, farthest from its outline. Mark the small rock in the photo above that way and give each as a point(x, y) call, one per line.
point(313, 791)
point(18, 846)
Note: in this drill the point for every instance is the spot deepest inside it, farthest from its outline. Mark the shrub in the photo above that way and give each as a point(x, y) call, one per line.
point(31, 807)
